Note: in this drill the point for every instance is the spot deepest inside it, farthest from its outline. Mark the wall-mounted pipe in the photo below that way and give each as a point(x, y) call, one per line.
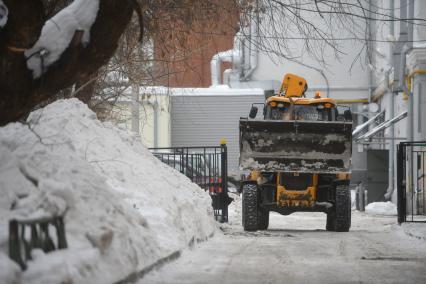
point(155, 109)
point(231, 55)
point(398, 47)
point(244, 55)
point(387, 89)
point(383, 126)
point(391, 155)
point(227, 76)
point(410, 108)
point(363, 126)
point(234, 56)
point(370, 49)
point(351, 101)
point(253, 46)
point(135, 120)
point(410, 24)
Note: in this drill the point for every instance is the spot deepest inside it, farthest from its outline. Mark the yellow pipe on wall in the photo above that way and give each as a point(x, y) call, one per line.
point(351, 101)
point(409, 79)
point(418, 71)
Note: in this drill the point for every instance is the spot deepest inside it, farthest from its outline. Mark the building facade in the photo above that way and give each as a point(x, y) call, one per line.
point(388, 109)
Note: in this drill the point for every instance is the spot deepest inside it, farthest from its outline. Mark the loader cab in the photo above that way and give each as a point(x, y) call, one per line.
point(304, 111)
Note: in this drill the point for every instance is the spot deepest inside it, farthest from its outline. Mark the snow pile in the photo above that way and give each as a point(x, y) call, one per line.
point(381, 208)
point(125, 209)
point(3, 14)
point(58, 32)
point(9, 271)
point(234, 211)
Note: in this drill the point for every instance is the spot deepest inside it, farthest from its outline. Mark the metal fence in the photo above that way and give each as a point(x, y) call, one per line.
point(205, 166)
point(26, 235)
point(411, 181)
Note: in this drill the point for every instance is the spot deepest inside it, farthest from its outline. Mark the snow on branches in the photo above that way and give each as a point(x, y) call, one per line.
point(58, 32)
point(3, 14)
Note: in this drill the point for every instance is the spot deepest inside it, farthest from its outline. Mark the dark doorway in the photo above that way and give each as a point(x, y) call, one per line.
point(377, 174)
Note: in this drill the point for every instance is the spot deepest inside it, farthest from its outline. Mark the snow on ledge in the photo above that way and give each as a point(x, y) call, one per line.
point(58, 32)
point(3, 14)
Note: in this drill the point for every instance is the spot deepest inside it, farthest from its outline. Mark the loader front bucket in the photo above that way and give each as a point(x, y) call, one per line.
point(295, 146)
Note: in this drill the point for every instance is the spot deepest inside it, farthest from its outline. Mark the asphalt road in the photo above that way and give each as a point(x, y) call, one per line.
point(297, 249)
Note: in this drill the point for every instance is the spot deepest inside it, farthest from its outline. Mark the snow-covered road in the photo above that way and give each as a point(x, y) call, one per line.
point(297, 249)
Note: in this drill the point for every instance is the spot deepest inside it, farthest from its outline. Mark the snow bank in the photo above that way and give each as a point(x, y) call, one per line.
point(10, 272)
point(3, 14)
point(58, 32)
point(112, 188)
point(381, 208)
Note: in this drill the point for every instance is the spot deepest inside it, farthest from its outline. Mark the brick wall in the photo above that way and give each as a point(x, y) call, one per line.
point(183, 49)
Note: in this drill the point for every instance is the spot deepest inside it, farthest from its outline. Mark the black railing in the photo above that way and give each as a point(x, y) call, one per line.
point(26, 235)
point(205, 166)
point(411, 181)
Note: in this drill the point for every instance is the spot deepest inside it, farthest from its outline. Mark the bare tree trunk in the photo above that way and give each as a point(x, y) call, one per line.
point(86, 88)
point(23, 28)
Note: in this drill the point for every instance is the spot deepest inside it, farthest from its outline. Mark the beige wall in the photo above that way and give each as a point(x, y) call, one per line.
point(146, 125)
point(122, 116)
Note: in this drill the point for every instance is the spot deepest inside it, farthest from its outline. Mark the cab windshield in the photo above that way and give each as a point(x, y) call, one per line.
point(299, 112)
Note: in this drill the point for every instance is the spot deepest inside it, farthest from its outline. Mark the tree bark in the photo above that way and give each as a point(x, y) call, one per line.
point(85, 88)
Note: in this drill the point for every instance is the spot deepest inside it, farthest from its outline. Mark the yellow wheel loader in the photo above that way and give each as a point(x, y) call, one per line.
point(298, 158)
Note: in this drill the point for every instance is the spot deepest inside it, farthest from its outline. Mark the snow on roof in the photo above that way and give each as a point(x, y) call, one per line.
point(126, 93)
point(58, 32)
point(110, 185)
point(221, 90)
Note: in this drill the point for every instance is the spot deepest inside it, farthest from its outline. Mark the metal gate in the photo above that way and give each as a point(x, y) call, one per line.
point(205, 166)
point(411, 181)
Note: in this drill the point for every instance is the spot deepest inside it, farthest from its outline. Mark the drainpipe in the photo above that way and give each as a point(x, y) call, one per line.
point(391, 173)
point(135, 108)
point(410, 23)
point(253, 46)
point(410, 109)
point(155, 108)
point(410, 127)
point(409, 46)
point(402, 48)
point(408, 29)
point(369, 50)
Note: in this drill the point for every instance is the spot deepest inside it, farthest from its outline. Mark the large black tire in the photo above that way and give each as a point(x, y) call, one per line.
point(250, 209)
point(263, 219)
point(343, 208)
point(331, 220)
point(339, 217)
